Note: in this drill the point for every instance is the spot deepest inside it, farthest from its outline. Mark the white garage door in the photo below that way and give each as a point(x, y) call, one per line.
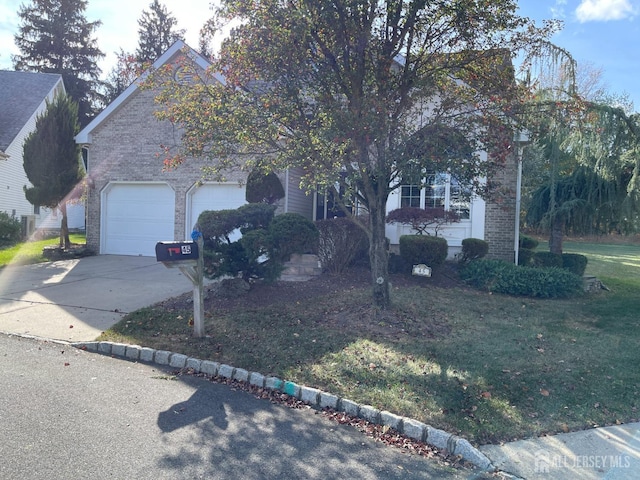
point(135, 217)
point(213, 197)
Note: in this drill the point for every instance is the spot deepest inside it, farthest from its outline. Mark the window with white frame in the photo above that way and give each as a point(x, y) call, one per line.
point(437, 190)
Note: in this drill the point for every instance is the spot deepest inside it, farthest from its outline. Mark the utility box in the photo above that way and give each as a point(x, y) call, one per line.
point(28, 223)
point(176, 251)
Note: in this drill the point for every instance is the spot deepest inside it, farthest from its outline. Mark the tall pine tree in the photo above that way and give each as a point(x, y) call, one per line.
point(52, 159)
point(156, 35)
point(156, 32)
point(55, 37)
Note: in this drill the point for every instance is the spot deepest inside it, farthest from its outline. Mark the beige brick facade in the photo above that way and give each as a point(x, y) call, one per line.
point(124, 148)
point(500, 214)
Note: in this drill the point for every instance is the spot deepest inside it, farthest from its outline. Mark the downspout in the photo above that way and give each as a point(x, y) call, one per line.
point(286, 191)
point(521, 139)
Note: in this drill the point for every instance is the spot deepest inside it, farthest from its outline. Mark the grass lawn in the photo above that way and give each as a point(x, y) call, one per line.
point(490, 368)
point(31, 252)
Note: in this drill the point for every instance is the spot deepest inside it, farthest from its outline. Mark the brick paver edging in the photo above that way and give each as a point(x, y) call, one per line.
point(316, 398)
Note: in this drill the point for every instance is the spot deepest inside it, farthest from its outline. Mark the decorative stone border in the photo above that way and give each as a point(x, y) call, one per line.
point(312, 396)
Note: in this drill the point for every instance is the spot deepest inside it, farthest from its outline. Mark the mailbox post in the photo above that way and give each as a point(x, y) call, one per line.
point(187, 256)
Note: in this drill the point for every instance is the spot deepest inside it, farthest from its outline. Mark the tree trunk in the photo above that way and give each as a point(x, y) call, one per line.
point(379, 256)
point(65, 242)
point(555, 235)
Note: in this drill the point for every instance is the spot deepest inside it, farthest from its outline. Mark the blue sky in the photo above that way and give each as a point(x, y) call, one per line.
point(602, 33)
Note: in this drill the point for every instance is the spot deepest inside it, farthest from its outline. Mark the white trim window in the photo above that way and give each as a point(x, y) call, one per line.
point(437, 190)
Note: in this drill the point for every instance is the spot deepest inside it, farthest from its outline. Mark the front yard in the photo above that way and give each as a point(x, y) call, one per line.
point(31, 252)
point(490, 368)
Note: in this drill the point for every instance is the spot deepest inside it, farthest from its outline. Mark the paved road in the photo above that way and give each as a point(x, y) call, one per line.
point(70, 414)
point(76, 300)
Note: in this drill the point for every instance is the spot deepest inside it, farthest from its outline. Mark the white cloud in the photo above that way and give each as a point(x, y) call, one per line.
point(557, 11)
point(604, 10)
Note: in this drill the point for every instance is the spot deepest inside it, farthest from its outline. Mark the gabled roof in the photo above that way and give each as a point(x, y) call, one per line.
point(21, 93)
point(84, 136)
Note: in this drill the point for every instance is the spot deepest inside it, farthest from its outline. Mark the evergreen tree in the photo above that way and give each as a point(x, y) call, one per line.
point(52, 158)
point(156, 33)
point(55, 37)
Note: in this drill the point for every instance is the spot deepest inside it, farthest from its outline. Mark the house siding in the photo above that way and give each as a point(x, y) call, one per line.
point(13, 175)
point(296, 200)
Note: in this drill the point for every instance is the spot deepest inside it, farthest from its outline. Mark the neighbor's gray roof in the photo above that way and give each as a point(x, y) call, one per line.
point(20, 95)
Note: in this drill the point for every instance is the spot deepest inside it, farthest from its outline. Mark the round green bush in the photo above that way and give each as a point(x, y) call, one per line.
point(416, 249)
point(473, 248)
point(263, 188)
point(501, 277)
point(292, 233)
point(528, 242)
point(575, 263)
point(547, 259)
point(525, 256)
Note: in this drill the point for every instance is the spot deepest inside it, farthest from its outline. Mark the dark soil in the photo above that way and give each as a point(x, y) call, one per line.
point(261, 294)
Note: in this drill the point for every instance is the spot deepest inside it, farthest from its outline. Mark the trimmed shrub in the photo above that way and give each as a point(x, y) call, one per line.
point(263, 188)
point(416, 249)
point(525, 257)
point(222, 256)
point(218, 225)
point(502, 277)
point(291, 233)
point(340, 243)
point(254, 216)
point(575, 263)
point(482, 273)
point(547, 259)
point(10, 230)
point(528, 242)
point(473, 248)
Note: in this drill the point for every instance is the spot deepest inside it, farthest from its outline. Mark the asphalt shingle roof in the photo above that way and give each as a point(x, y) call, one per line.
point(20, 95)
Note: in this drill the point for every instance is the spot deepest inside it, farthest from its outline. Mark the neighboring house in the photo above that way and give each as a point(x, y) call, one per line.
point(133, 203)
point(23, 96)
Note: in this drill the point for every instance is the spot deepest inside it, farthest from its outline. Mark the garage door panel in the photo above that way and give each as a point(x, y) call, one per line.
point(136, 217)
point(214, 197)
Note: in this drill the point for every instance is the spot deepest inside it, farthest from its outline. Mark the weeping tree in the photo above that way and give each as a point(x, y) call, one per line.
point(589, 144)
point(52, 159)
point(354, 93)
point(586, 203)
point(593, 185)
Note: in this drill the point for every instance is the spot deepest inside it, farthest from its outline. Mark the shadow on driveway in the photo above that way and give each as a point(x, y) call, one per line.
point(76, 300)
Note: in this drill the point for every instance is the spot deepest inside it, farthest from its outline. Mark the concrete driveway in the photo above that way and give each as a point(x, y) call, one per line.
point(76, 300)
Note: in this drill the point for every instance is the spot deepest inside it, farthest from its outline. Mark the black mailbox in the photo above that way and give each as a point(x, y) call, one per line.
point(176, 251)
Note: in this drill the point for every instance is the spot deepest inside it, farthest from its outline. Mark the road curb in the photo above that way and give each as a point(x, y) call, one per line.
point(315, 398)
